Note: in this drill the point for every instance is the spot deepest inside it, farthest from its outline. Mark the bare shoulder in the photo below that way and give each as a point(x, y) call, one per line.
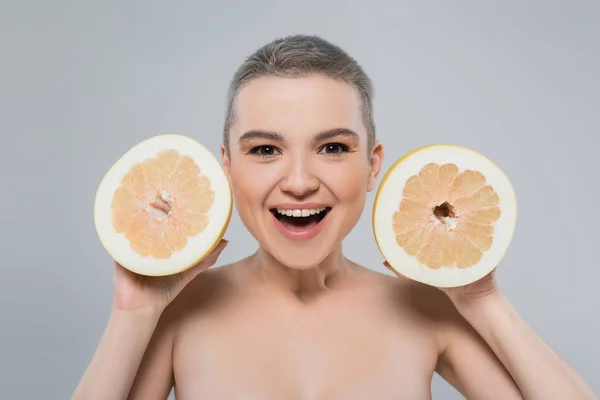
point(463, 357)
point(203, 295)
point(417, 296)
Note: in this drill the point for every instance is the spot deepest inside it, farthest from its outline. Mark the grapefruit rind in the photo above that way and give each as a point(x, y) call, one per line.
point(390, 193)
point(197, 247)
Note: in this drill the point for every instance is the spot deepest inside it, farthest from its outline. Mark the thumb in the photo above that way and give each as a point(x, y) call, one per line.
point(388, 266)
point(206, 263)
point(398, 274)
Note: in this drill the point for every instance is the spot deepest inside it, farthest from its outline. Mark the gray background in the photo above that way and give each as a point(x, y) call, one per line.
point(82, 82)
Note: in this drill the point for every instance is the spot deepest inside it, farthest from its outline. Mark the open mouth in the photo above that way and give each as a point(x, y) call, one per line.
point(300, 219)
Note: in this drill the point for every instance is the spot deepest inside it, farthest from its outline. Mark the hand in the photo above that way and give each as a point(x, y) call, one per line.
point(479, 289)
point(134, 292)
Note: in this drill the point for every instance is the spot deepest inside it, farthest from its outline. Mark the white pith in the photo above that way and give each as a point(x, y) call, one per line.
point(304, 212)
point(389, 197)
point(198, 246)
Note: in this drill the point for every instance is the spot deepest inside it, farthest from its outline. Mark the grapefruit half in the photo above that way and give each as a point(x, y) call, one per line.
point(163, 206)
point(444, 215)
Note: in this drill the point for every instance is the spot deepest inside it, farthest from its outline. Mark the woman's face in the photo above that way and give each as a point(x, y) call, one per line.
point(299, 147)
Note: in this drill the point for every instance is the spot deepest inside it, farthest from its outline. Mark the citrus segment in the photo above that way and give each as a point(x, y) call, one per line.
point(163, 206)
point(444, 215)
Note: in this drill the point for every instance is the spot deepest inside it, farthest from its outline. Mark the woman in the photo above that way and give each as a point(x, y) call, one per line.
point(296, 319)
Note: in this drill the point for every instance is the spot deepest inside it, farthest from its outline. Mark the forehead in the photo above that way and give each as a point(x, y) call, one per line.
point(297, 106)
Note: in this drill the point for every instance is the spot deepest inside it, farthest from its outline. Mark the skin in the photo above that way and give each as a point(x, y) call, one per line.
point(297, 319)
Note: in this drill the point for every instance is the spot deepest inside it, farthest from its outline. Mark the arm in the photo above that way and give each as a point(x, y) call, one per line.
point(134, 357)
point(470, 366)
point(132, 361)
point(464, 360)
point(537, 370)
point(487, 351)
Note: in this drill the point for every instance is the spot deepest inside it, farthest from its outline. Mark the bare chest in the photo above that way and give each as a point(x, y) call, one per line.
point(336, 352)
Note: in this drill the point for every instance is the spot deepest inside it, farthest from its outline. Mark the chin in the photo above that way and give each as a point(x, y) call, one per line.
point(300, 258)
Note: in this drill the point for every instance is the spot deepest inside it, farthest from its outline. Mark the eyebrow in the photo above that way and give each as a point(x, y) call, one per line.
point(334, 133)
point(319, 137)
point(260, 134)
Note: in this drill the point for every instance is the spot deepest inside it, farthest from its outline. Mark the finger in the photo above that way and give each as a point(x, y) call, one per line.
point(398, 274)
point(120, 270)
point(388, 266)
point(222, 244)
point(211, 259)
point(206, 263)
point(215, 253)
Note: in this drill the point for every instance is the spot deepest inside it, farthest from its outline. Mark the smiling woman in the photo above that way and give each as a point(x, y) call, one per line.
point(305, 138)
point(297, 319)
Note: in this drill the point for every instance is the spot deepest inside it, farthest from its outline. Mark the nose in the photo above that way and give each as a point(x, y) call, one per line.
point(300, 179)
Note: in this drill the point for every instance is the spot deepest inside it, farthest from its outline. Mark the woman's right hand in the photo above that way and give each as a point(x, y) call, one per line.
point(138, 303)
point(134, 292)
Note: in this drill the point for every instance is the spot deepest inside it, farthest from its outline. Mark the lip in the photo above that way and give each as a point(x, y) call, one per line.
point(302, 234)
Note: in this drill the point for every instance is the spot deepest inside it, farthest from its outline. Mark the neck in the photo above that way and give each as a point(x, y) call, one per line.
point(306, 282)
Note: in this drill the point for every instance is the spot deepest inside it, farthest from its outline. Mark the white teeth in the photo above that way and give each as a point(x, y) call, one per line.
point(305, 212)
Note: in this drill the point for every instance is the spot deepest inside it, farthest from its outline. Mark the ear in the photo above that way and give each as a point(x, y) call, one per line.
point(225, 159)
point(375, 163)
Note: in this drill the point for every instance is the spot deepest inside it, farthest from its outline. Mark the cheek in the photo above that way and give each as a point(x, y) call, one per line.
point(242, 185)
point(249, 184)
point(350, 182)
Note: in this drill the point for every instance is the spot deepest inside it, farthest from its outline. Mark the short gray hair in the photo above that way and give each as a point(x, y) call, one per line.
point(297, 56)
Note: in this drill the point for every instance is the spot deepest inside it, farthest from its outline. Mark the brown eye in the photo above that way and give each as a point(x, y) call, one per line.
point(264, 151)
point(267, 151)
point(334, 148)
